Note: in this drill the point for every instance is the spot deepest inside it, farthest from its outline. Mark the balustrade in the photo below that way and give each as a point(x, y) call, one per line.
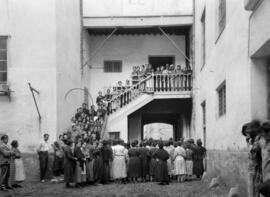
point(151, 84)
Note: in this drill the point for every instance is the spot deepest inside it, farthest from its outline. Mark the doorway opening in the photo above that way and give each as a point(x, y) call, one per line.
point(158, 61)
point(158, 131)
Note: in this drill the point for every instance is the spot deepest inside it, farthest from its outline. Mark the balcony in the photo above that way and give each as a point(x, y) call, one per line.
point(158, 85)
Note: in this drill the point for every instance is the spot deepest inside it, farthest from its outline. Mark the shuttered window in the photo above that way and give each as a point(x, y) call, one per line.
point(222, 99)
point(3, 59)
point(113, 66)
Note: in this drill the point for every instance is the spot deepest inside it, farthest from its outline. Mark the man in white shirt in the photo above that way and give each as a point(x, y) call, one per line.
point(43, 153)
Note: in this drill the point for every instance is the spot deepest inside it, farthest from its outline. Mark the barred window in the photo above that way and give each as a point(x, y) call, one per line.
point(221, 15)
point(3, 59)
point(222, 99)
point(114, 135)
point(113, 66)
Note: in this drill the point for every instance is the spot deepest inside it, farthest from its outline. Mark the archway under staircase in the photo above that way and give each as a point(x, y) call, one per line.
point(176, 112)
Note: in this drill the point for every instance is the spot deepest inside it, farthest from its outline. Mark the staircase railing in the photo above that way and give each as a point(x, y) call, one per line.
point(130, 94)
point(151, 84)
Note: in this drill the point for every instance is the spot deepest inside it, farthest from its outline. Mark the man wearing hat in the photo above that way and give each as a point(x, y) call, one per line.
point(5, 158)
point(252, 132)
point(264, 188)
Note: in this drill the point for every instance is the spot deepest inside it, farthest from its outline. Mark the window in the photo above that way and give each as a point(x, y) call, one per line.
point(203, 37)
point(113, 66)
point(203, 114)
point(222, 99)
point(204, 122)
point(3, 59)
point(114, 135)
point(221, 15)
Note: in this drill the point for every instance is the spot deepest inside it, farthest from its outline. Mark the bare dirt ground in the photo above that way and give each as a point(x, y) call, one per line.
point(187, 189)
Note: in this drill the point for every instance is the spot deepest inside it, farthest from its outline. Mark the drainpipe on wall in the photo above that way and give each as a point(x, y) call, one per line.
point(81, 35)
point(193, 116)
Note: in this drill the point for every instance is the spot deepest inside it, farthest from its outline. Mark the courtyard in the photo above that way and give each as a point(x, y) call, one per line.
point(186, 189)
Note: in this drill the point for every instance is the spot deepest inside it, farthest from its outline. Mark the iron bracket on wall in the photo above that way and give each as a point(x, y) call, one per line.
point(32, 91)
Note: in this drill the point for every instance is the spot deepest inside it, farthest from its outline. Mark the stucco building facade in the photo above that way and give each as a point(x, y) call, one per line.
point(231, 80)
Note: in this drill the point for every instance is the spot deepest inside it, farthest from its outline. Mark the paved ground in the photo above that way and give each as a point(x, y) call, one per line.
point(187, 189)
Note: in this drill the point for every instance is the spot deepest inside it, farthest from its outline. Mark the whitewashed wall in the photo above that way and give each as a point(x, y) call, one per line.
point(30, 26)
point(101, 8)
point(227, 58)
point(132, 50)
point(44, 49)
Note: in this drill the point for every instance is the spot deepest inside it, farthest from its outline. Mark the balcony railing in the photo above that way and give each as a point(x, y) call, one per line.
point(155, 83)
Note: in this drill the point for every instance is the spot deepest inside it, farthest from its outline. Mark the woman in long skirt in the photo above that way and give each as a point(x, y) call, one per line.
point(153, 162)
point(162, 156)
point(189, 160)
point(134, 162)
point(58, 162)
point(144, 157)
point(170, 151)
point(179, 162)
point(199, 155)
point(17, 173)
point(69, 163)
point(119, 160)
point(98, 165)
point(80, 172)
point(90, 163)
point(106, 155)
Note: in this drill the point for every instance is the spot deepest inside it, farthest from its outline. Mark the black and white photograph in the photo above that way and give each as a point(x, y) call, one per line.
point(134, 98)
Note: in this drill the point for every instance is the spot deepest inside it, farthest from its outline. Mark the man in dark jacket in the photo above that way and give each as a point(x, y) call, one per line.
point(5, 157)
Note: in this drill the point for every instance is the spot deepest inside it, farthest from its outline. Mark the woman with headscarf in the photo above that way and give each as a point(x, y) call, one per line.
point(162, 156)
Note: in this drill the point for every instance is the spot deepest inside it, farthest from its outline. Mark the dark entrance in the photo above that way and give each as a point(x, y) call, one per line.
point(176, 112)
point(158, 61)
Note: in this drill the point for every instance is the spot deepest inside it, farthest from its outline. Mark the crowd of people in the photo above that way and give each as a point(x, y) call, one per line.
point(85, 160)
point(11, 165)
point(258, 139)
point(141, 72)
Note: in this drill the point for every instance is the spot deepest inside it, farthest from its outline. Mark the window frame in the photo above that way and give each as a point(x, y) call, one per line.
point(203, 34)
point(222, 99)
point(114, 133)
point(203, 105)
point(221, 16)
point(113, 70)
point(5, 60)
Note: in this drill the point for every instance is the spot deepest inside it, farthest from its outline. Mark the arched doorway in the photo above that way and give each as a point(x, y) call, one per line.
point(158, 131)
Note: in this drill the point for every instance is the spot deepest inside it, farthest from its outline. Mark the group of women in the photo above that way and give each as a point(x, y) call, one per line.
point(96, 162)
